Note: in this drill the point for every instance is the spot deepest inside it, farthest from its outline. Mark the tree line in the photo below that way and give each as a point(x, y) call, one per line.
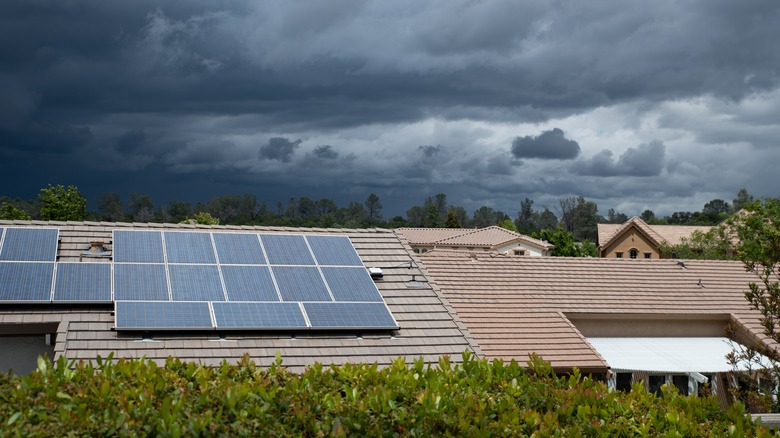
point(571, 225)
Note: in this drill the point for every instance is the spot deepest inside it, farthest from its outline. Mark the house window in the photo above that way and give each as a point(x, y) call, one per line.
point(623, 382)
point(681, 382)
point(633, 253)
point(654, 383)
point(618, 255)
point(648, 255)
point(519, 252)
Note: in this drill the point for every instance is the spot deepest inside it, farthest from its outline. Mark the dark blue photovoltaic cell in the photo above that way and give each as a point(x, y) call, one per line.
point(26, 281)
point(349, 315)
point(334, 250)
point(151, 315)
point(138, 246)
point(286, 250)
point(249, 283)
point(189, 248)
point(300, 283)
point(83, 282)
point(239, 249)
point(351, 284)
point(195, 283)
point(30, 244)
point(258, 315)
point(140, 282)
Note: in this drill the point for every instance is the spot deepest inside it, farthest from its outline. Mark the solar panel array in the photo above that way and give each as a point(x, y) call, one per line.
point(161, 280)
point(242, 281)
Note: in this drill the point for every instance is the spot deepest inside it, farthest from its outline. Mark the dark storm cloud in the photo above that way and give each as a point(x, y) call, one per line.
point(550, 145)
point(325, 152)
point(429, 151)
point(279, 148)
point(644, 160)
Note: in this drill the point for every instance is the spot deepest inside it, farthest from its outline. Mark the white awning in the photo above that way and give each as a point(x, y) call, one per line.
point(665, 355)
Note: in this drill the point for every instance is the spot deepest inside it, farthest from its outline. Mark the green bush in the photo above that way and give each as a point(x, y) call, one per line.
point(474, 398)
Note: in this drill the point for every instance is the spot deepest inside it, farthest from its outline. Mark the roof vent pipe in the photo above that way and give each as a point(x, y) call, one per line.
point(96, 249)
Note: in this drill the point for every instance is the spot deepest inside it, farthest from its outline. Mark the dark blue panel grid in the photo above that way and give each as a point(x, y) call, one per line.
point(239, 249)
point(195, 283)
point(30, 244)
point(300, 283)
point(140, 282)
point(334, 250)
point(286, 250)
point(152, 315)
point(249, 283)
point(189, 248)
point(351, 284)
point(259, 315)
point(138, 246)
point(349, 315)
point(83, 282)
point(24, 282)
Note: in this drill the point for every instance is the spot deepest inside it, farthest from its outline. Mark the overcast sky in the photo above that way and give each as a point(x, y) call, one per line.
point(662, 104)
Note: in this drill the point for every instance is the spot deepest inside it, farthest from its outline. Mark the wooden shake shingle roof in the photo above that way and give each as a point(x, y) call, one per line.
point(514, 306)
point(428, 327)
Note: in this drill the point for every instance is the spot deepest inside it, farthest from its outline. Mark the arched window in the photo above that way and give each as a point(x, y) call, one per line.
point(633, 253)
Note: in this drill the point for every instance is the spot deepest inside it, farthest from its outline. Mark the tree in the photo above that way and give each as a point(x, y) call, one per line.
point(567, 206)
point(547, 220)
point(373, 209)
point(452, 219)
point(507, 224)
point(743, 198)
point(525, 217)
point(757, 233)
point(614, 217)
point(484, 217)
point(712, 245)
point(202, 218)
point(59, 203)
point(716, 210)
point(140, 207)
point(110, 208)
point(586, 219)
point(9, 212)
point(647, 216)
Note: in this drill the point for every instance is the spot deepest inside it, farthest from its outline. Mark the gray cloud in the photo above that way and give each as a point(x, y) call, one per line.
point(279, 148)
point(430, 151)
point(551, 145)
point(647, 159)
point(325, 152)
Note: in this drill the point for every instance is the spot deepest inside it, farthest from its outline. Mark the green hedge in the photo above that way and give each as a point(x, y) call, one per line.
point(474, 398)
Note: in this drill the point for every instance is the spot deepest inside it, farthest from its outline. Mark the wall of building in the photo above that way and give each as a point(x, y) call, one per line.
point(20, 353)
point(631, 239)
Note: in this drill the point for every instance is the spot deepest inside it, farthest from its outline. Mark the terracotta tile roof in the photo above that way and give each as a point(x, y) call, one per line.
point(491, 237)
point(514, 306)
point(671, 234)
point(429, 328)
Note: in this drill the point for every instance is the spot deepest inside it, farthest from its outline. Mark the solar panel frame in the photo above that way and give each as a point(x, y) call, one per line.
point(140, 282)
point(349, 316)
point(351, 284)
point(82, 283)
point(162, 315)
point(249, 283)
point(258, 315)
point(29, 244)
point(144, 246)
point(26, 282)
point(196, 283)
point(187, 247)
point(239, 249)
point(300, 283)
point(287, 249)
point(333, 250)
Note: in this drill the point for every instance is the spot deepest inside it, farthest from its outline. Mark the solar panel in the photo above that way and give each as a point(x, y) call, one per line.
point(26, 282)
point(259, 315)
point(351, 284)
point(334, 250)
point(195, 283)
point(349, 316)
point(138, 246)
point(156, 315)
point(238, 249)
point(83, 282)
point(189, 248)
point(30, 244)
point(300, 283)
point(286, 250)
point(140, 282)
point(249, 283)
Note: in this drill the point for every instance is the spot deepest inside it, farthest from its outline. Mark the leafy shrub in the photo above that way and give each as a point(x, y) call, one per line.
point(473, 398)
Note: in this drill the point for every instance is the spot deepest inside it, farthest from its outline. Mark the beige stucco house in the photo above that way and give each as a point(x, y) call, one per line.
point(492, 238)
point(635, 239)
